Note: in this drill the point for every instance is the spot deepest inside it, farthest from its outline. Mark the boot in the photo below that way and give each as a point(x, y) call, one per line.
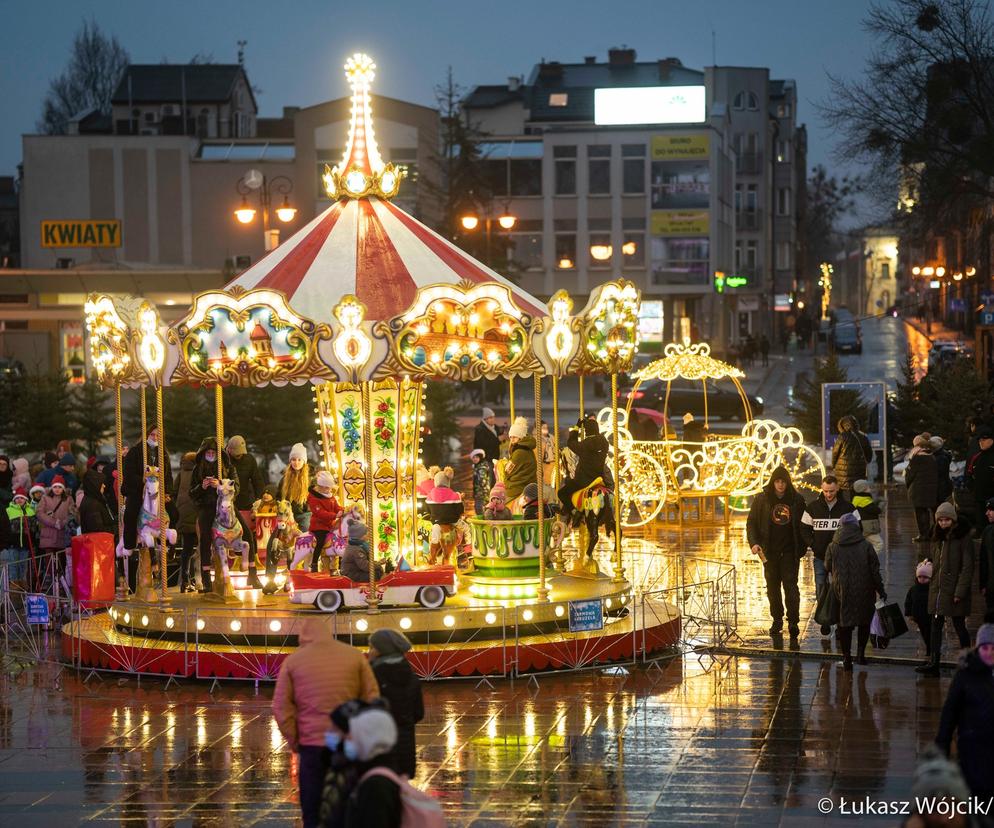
point(253, 582)
point(208, 585)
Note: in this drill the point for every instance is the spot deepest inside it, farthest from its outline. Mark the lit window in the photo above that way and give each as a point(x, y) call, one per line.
point(559, 99)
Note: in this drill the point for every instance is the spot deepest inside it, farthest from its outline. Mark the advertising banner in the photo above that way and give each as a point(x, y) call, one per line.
point(670, 147)
point(680, 222)
point(73, 233)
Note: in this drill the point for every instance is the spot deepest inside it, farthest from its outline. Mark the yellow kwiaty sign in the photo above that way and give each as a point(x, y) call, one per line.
point(81, 233)
point(680, 147)
point(680, 223)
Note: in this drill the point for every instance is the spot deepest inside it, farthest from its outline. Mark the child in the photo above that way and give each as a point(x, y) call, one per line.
point(916, 604)
point(325, 512)
point(869, 513)
point(530, 500)
point(483, 479)
point(21, 514)
point(497, 507)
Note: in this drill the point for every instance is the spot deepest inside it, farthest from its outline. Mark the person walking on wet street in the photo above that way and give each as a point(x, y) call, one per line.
point(402, 689)
point(980, 474)
point(855, 569)
point(922, 479)
point(969, 712)
point(952, 581)
point(773, 531)
point(850, 455)
point(818, 524)
point(986, 555)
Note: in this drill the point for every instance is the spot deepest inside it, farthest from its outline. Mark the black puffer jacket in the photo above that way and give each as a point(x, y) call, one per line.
point(850, 454)
point(943, 459)
point(969, 711)
point(591, 454)
point(206, 499)
point(855, 570)
point(250, 481)
point(952, 570)
point(94, 514)
point(402, 688)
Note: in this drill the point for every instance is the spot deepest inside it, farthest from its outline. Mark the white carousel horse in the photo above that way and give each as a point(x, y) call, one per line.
point(149, 529)
point(226, 533)
point(286, 541)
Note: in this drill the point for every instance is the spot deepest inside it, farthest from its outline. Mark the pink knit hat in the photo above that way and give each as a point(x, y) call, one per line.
point(924, 570)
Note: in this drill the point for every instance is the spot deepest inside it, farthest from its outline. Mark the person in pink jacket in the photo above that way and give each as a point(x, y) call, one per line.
point(55, 511)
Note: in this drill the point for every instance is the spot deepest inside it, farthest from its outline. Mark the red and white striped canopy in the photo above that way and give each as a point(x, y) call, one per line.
point(371, 248)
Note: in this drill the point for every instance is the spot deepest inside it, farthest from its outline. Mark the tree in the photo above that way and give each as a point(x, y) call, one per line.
point(828, 200)
point(441, 399)
point(906, 417)
point(270, 419)
point(41, 411)
point(947, 395)
point(96, 63)
point(187, 414)
point(806, 407)
point(93, 415)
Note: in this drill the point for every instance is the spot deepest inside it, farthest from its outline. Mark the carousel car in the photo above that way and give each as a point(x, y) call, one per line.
point(428, 587)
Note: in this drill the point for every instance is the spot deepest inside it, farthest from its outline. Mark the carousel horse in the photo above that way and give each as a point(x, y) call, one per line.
point(148, 533)
point(226, 534)
point(592, 509)
point(286, 542)
point(338, 538)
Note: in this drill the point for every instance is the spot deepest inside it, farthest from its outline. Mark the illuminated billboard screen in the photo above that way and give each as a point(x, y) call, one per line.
point(649, 105)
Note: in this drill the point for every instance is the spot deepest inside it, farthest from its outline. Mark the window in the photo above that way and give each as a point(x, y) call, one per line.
point(783, 151)
point(526, 248)
point(783, 255)
point(885, 270)
point(600, 251)
point(558, 99)
point(751, 199)
point(783, 201)
point(751, 255)
point(599, 169)
point(738, 256)
point(565, 169)
point(633, 249)
point(783, 110)
point(512, 168)
point(752, 102)
point(679, 260)
point(633, 169)
point(739, 101)
point(738, 198)
point(565, 251)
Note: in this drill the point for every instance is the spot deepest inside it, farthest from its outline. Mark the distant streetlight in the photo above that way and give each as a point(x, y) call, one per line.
point(254, 180)
point(505, 220)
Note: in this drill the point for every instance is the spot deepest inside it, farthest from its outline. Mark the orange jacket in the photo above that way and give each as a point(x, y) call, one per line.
point(320, 675)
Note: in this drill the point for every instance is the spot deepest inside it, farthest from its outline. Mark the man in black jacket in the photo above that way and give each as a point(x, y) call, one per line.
point(818, 525)
point(987, 557)
point(487, 437)
point(133, 481)
point(773, 530)
point(980, 475)
point(591, 448)
point(203, 492)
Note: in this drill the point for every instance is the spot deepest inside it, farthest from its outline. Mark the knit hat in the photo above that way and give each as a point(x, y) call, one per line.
point(237, 447)
point(19, 492)
point(50, 459)
point(848, 518)
point(20, 465)
point(477, 453)
point(922, 440)
point(530, 493)
point(861, 486)
point(102, 460)
point(924, 570)
point(388, 641)
point(985, 635)
point(519, 428)
point(298, 450)
point(324, 479)
point(443, 478)
point(936, 443)
point(357, 530)
point(67, 459)
point(936, 776)
point(688, 418)
point(36, 488)
point(946, 510)
point(487, 413)
point(498, 491)
point(373, 732)
point(58, 480)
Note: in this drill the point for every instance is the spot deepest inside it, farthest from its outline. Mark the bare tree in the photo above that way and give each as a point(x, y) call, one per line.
point(88, 81)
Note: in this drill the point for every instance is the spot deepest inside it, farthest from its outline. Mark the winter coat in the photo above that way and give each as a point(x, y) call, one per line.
point(523, 467)
point(855, 570)
point(185, 505)
point(987, 559)
point(355, 562)
point(922, 479)
point(133, 484)
point(489, 441)
point(250, 481)
point(54, 513)
point(969, 710)
point(402, 688)
point(869, 513)
point(22, 524)
point(761, 516)
point(206, 499)
point(483, 480)
point(819, 522)
point(850, 456)
point(916, 602)
point(94, 514)
point(591, 453)
point(375, 801)
point(943, 459)
point(314, 679)
point(980, 476)
point(952, 571)
point(324, 511)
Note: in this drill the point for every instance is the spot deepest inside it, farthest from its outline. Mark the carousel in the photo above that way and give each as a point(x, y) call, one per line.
point(365, 304)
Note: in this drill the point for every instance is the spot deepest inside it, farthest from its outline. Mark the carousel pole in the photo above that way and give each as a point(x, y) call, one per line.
point(555, 429)
point(163, 545)
point(144, 414)
point(119, 445)
point(543, 591)
point(580, 377)
point(619, 571)
point(219, 427)
point(510, 397)
point(372, 600)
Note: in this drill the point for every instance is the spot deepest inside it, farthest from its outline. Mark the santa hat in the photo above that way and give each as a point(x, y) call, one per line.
point(325, 479)
point(519, 428)
point(36, 488)
point(19, 492)
point(58, 480)
point(298, 451)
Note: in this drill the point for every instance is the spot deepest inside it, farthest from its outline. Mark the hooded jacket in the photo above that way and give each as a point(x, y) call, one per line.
point(850, 455)
point(524, 469)
point(591, 453)
point(487, 439)
point(324, 510)
point(969, 711)
point(952, 570)
point(402, 688)
point(251, 483)
point(206, 499)
point(856, 579)
point(133, 484)
point(314, 679)
point(185, 505)
point(819, 522)
point(768, 508)
point(922, 479)
point(22, 519)
point(94, 514)
point(54, 513)
point(869, 512)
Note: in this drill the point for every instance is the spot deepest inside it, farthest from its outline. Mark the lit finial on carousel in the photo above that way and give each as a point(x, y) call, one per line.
point(361, 171)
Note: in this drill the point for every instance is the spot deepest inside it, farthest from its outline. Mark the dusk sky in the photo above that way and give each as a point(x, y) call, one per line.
point(296, 50)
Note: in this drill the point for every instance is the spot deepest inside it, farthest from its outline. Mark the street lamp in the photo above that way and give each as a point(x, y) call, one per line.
point(254, 180)
point(505, 220)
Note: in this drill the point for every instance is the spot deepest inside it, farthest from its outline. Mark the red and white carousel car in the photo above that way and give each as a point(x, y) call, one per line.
point(428, 587)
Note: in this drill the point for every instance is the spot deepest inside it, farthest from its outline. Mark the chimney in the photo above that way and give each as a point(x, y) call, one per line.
point(513, 83)
point(290, 111)
point(590, 60)
point(621, 57)
point(550, 71)
point(666, 65)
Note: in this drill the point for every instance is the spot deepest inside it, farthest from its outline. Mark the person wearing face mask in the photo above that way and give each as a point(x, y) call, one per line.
point(295, 484)
point(203, 492)
point(133, 487)
point(375, 800)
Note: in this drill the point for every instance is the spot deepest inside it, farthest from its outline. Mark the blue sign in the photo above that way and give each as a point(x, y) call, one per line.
point(586, 615)
point(957, 305)
point(866, 400)
point(37, 606)
point(986, 317)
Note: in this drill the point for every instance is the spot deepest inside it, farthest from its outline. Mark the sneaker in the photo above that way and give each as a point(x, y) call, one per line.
point(776, 628)
point(826, 629)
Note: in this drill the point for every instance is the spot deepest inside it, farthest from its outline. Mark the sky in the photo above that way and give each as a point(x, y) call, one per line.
point(296, 49)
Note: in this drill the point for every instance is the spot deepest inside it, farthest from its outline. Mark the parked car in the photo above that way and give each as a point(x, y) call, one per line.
point(847, 337)
point(428, 587)
point(723, 403)
point(942, 354)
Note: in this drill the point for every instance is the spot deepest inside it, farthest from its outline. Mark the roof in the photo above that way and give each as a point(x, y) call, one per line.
point(485, 97)
point(175, 82)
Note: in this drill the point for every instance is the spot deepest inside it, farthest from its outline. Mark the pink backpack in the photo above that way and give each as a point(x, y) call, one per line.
point(417, 808)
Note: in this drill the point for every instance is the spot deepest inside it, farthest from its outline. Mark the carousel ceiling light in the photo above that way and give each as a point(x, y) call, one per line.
point(528, 615)
point(275, 625)
point(201, 623)
point(170, 622)
point(405, 623)
point(449, 621)
point(490, 618)
point(235, 625)
point(560, 611)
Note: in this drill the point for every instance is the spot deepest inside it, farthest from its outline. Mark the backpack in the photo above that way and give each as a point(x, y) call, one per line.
point(417, 808)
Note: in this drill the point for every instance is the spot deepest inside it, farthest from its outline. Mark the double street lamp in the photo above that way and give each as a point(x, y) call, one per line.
point(280, 185)
point(470, 222)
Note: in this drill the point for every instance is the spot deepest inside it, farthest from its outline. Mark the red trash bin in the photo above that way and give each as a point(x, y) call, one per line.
point(93, 569)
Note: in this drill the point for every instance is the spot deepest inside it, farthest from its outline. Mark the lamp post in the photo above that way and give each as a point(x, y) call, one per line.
point(279, 185)
point(471, 221)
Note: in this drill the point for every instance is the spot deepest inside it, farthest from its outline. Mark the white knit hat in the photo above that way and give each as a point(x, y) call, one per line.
point(936, 443)
point(325, 479)
point(519, 428)
point(374, 733)
point(298, 450)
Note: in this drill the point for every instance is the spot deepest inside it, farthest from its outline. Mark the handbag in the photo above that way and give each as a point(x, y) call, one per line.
point(891, 619)
point(827, 608)
point(878, 635)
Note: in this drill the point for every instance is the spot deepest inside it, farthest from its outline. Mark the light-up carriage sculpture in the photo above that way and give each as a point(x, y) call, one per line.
point(729, 467)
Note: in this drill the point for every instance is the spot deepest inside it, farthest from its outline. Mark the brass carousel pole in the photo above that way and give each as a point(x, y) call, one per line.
point(162, 495)
point(543, 591)
point(372, 600)
point(119, 445)
point(219, 427)
point(144, 414)
point(619, 570)
point(510, 397)
point(580, 377)
point(555, 430)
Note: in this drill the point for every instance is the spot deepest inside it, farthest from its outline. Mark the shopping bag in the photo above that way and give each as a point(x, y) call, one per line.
point(878, 636)
point(892, 620)
point(827, 608)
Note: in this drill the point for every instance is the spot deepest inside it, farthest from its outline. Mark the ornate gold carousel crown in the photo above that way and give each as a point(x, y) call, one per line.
point(361, 171)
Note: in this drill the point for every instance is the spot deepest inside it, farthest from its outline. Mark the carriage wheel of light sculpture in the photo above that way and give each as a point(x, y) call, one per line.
point(641, 485)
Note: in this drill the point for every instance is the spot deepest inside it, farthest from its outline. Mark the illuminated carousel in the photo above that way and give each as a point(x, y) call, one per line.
point(365, 303)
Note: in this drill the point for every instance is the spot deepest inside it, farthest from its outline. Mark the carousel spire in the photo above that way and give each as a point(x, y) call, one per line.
point(361, 171)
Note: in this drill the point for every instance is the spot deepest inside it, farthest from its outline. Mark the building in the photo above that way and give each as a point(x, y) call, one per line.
point(702, 194)
point(880, 287)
